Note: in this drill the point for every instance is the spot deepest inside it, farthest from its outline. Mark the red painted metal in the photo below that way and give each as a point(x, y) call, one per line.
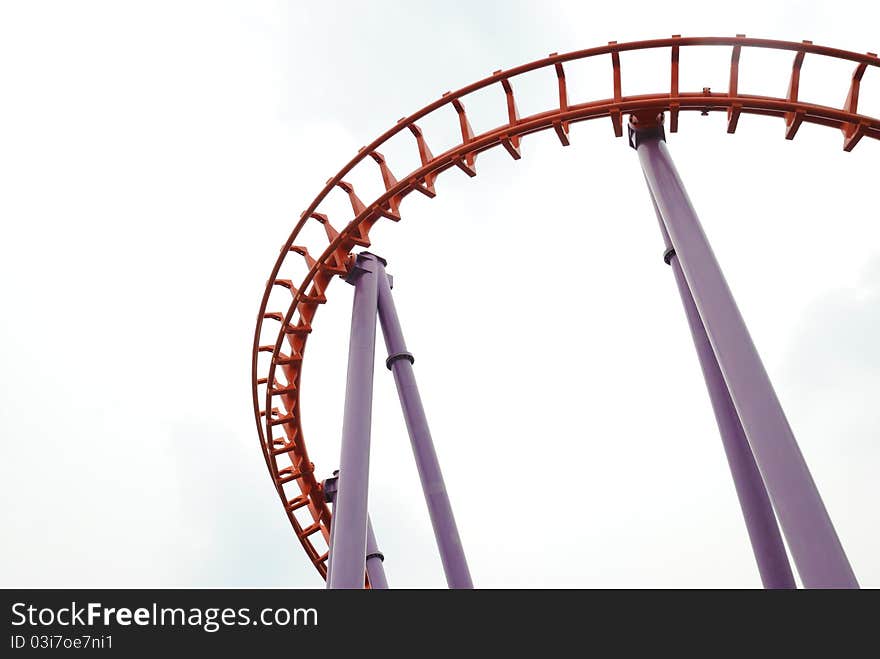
point(276, 385)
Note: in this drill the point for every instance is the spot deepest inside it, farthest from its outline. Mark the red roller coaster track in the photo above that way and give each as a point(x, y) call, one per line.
point(282, 332)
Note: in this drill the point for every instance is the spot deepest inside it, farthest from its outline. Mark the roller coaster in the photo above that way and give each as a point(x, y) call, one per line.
point(773, 483)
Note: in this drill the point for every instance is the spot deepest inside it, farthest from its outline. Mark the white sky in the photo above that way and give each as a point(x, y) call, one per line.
point(155, 155)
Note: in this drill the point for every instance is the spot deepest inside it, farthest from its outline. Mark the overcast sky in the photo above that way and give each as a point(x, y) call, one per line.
point(154, 157)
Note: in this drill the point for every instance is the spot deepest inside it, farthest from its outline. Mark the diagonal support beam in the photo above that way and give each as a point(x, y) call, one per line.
point(400, 363)
point(766, 541)
point(375, 561)
point(812, 540)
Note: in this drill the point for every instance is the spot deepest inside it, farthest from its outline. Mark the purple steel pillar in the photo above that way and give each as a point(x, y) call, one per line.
point(760, 521)
point(375, 561)
point(374, 558)
point(330, 546)
point(350, 509)
point(814, 545)
point(400, 362)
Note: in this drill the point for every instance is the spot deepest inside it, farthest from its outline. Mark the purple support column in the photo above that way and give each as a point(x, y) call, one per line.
point(814, 545)
point(375, 561)
point(330, 546)
point(760, 521)
point(374, 558)
point(400, 363)
point(350, 541)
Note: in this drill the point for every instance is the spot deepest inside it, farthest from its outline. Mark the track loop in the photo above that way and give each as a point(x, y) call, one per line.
point(276, 380)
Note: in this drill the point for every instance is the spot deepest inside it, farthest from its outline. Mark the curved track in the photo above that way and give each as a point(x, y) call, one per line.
point(284, 321)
